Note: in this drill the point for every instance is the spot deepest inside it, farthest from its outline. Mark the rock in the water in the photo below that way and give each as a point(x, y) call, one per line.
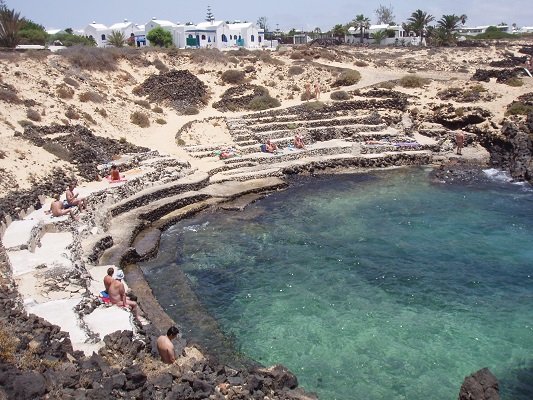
point(481, 385)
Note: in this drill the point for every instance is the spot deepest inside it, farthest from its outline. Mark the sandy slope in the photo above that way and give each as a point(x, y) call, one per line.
point(39, 80)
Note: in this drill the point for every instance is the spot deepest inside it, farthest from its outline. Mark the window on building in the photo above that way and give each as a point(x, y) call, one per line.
point(230, 37)
point(259, 39)
point(103, 37)
point(190, 36)
point(203, 37)
point(224, 38)
point(252, 38)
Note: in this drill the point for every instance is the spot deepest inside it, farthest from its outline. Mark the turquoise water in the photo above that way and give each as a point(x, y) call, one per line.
point(371, 286)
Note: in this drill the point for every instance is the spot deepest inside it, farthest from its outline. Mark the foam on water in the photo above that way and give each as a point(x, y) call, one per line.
point(374, 286)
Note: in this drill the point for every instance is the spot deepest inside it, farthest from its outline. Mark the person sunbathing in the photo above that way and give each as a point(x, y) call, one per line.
point(57, 208)
point(271, 147)
point(117, 295)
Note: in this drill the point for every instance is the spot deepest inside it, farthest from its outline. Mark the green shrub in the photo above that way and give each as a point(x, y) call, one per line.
point(519, 108)
point(306, 96)
point(413, 81)
point(101, 111)
point(296, 55)
point(314, 105)
point(292, 125)
point(387, 85)
point(233, 76)
point(158, 110)
point(91, 96)
point(340, 95)
point(361, 63)
point(296, 70)
point(161, 67)
point(33, 115)
point(140, 119)
point(161, 121)
point(263, 102)
point(514, 82)
point(347, 77)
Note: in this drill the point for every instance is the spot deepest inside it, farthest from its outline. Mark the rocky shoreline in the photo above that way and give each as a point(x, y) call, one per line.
point(144, 212)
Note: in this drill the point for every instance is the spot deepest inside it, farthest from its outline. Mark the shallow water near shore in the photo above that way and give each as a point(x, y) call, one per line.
point(367, 286)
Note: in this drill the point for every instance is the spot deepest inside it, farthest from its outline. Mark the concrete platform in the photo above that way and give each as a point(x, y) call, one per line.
point(18, 233)
point(105, 320)
point(53, 252)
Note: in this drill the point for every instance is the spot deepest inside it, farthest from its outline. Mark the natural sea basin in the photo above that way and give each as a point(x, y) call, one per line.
point(380, 285)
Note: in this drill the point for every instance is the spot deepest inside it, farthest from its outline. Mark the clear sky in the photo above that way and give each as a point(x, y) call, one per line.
point(286, 14)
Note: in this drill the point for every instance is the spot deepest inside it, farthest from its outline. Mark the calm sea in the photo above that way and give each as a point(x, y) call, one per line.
point(382, 285)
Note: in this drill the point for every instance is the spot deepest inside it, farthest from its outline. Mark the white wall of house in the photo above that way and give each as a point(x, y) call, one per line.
point(98, 32)
point(248, 32)
point(176, 31)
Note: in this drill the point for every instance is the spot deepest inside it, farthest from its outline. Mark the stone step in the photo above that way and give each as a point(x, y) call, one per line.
point(151, 194)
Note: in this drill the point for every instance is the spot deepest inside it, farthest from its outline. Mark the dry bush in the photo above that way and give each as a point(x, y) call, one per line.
point(297, 55)
point(143, 103)
point(161, 121)
point(387, 85)
point(140, 119)
point(190, 110)
point(88, 117)
point(233, 60)
point(64, 92)
point(9, 95)
point(24, 123)
point(314, 105)
point(91, 96)
point(158, 110)
point(413, 81)
point(71, 113)
point(203, 56)
point(100, 59)
point(8, 344)
point(266, 57)
point(361, 63)
point(340, 95)
point(33, 115)
point(71, 82)
point(296, 70)
point(161, 67)
point(519, 108)
point(233, 76)
point(347, 77)
point(101, 111)
point(306, 96)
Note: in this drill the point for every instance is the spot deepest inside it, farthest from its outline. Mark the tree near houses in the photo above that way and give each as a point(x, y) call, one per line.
point(32, 33)
point(362, 23)
point(116, 39)
point(160, 37)
point(338, 31)
point(10, 25)
point(210, 17)
point(448, 26)
point(419, 20)
point(262, 22)
point(380, 35)
point(384, 15)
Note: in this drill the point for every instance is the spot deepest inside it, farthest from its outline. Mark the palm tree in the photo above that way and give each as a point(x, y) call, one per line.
point(10, 25)
point(449, 25)
point(317, 32)
point(362, 23)
point(419, 20)
point(116, 39)
point(463, 18)
point(380, 35)
point(338, 31)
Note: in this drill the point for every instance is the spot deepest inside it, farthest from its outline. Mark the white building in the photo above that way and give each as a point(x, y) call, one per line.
point(478, 30)
point(98, 32)
point(248, 34)
point(177, 31)
point(133, 33)
point(397, 35)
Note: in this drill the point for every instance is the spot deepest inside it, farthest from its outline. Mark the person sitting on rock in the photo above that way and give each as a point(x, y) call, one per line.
point(299, 141)
point(108, 279)
point(72, 199)
point(165, 347)
point(117, 295)
point(114, 173)
point(58, 210)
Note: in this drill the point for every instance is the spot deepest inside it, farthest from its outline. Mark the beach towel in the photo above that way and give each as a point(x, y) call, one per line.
point(264, 148)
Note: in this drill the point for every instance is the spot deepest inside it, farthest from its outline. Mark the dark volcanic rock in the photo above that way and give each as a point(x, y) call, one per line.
point(481, 385)
point(509, 62)
point(239, 97)
point(452, 118)
point(178, 89)
point(501, 75)
point(512, 150)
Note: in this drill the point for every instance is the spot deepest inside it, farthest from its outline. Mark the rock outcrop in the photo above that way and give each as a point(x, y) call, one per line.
point(481, 385)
